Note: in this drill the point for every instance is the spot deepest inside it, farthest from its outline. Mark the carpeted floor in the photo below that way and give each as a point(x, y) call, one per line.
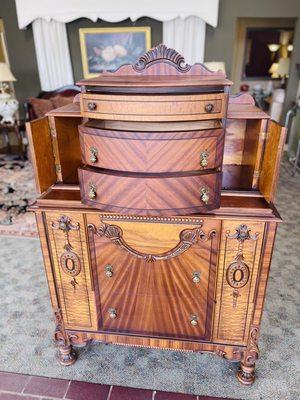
point(26, 327)
point(17, 192)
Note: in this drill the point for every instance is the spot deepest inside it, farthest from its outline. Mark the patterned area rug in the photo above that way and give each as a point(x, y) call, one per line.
point(26, 327)
point(17, 192)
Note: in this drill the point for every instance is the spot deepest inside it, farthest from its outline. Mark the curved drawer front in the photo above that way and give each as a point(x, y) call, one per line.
point(152, 152)
point(145, 195)
point(154, 107)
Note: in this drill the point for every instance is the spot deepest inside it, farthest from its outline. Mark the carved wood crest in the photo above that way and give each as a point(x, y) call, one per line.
point(162, 60)
point(159, 53)
point(187, 238)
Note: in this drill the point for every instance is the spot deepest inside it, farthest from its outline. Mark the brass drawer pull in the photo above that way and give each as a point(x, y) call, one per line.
point(209, 107)
point(196, 276)
point(109, 271)
point(112, 312)
point(204, 195)
point(93, 154)
point(204, 158)
point(92, 191)
point(194, 320)
point(92, 106)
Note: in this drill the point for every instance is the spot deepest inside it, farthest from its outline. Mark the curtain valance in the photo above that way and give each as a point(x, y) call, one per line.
point(116, 10)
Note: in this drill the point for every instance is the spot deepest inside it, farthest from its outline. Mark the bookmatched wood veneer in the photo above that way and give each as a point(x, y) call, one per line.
point(145, 193)
point(153, 152)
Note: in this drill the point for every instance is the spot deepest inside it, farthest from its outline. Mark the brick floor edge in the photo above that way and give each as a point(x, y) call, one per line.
point(15, 386)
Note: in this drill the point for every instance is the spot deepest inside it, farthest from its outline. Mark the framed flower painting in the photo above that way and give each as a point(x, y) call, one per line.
point(109, 48)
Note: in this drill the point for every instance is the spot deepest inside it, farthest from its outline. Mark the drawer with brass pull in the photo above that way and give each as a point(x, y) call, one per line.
point(128, 107)
point(149, 151)
point(156, 275)
point(142, 193)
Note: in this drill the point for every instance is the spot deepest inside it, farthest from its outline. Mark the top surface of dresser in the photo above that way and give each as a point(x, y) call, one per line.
point(143, 83)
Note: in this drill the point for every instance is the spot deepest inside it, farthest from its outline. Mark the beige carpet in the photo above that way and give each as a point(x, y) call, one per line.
point(17, 192)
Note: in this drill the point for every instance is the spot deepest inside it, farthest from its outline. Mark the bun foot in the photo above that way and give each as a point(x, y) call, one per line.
point(67, 355)
point(246, 374)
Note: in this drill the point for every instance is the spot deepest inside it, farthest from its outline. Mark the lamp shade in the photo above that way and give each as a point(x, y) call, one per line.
point(215, 66)
point(5, 73)
point(273, 47)
point(283, 67)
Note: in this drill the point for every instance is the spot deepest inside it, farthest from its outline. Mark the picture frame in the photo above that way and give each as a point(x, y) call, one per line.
point(109, 48)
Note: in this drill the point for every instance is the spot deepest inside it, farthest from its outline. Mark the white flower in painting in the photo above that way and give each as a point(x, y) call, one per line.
point(108, 54)
point(120, 51)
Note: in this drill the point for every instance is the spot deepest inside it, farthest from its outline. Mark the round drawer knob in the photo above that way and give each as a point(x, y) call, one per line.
point(194, 320)
point(109, 271)
point(112, 312)
point(92, 106)
point(196, 277)
point(209, 107)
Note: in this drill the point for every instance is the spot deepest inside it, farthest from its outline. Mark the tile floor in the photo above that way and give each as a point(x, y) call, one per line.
point(26, 387)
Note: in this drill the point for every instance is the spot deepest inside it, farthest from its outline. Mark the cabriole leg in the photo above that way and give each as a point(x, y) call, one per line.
point(67, 355)
point(246, 372)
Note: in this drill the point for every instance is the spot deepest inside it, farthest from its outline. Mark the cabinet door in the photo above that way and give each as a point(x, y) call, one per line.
point(239, 258)
point(41, 153)
point(271, 160)
point(155, 278)
point(71, 264)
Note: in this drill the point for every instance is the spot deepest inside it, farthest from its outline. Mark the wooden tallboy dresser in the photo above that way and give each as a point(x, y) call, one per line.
point(156, 213)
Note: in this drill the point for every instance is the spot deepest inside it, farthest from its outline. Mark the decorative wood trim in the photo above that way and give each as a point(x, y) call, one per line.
point(143, 218)
point(160, 61)
point(242, 233)
point(188, 237)
point(162, 53)
point(64, 224)
point(238, 265)
point(230, 352)
point(236, 355)
point(67, 356)
point(246, 372)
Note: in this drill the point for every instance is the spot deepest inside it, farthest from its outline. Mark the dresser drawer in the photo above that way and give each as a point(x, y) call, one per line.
point(154, 278)
point(149, 194)
point(143, 151)
point(136, 107)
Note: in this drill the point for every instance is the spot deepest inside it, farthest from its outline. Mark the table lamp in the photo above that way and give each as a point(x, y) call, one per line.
point(8, 105)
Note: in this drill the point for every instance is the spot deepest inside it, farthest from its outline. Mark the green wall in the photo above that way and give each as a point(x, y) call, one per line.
point(73, 35)
point(219, 41)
